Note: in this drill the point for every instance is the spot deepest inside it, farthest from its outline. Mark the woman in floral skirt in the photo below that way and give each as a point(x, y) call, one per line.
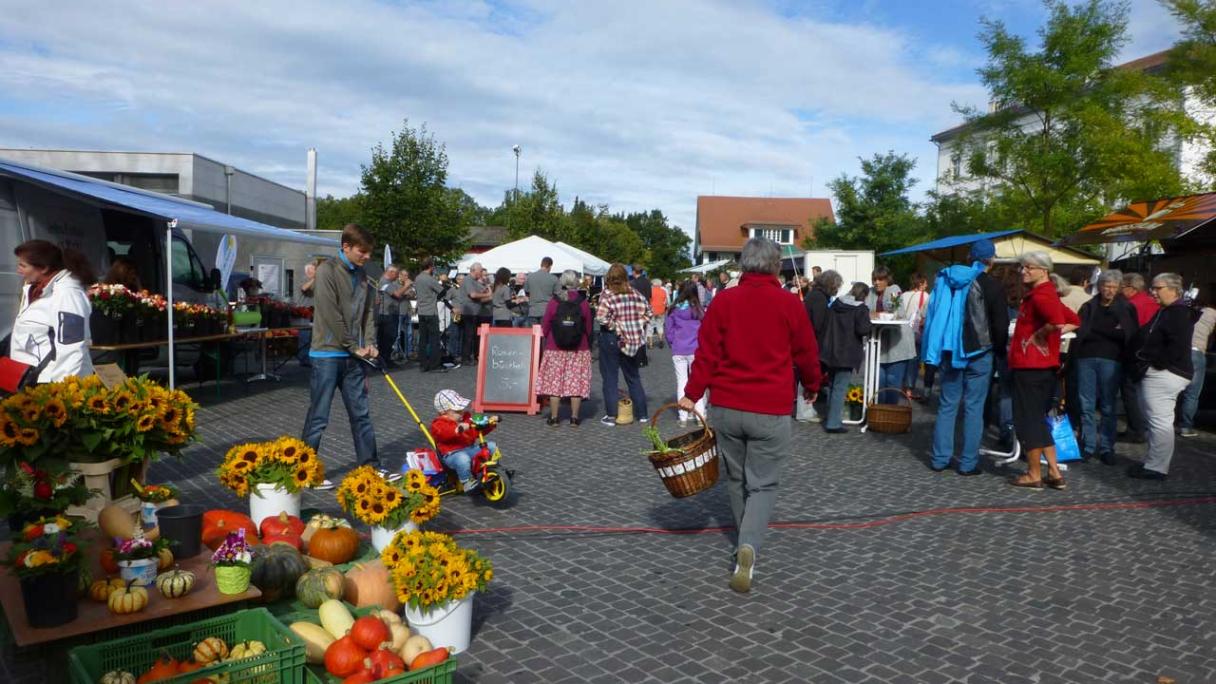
point(565, 365)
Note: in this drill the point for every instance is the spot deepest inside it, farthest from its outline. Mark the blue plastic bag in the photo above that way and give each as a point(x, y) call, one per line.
point(1062, 434)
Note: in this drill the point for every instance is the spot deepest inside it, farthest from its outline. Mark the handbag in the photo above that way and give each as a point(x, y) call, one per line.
point(16, 375)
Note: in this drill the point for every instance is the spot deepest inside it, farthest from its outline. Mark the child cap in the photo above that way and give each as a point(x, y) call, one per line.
point(449, 400)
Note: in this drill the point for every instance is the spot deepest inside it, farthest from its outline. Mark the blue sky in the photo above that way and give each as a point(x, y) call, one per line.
point(633, 104)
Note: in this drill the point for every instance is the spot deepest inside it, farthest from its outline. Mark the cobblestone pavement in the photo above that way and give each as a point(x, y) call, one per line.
point(877, 571)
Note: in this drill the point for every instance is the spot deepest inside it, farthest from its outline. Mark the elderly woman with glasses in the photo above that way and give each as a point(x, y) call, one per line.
point(1164, 363)
point(1034, 359)
point(1108, 326)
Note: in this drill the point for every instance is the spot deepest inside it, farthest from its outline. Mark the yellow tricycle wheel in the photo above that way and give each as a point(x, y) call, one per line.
point(496, 486)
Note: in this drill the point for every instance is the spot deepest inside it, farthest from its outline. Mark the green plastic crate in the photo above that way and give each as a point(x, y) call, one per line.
point(443, 673)
point(282, 663)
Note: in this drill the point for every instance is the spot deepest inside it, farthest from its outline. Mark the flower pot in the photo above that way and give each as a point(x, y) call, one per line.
point(232, 579)
point(268, 500)
point(104, 329)
point(854, 411)
point(183, 526)
point(143, 571)
point(383, 536)
point(50, 598)
point(446, 624)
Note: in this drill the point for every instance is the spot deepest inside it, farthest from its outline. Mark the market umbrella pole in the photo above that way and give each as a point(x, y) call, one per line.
point(169, 226)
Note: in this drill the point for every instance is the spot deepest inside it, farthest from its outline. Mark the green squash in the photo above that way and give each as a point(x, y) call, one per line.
point(319, 585)
point(275, 568)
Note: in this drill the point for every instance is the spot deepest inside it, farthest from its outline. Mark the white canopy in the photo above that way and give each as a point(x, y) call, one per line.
point(706, 268)
point(523, 256)
point(592, 265)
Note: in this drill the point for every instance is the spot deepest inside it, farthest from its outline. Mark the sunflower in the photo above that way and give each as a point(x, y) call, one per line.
point(392, 496)
point(854, 395)
point(56, 411)
point(248, 453)
point(10, 433)
point(28, 437)
point(122, 401)
point(242, 466)
point(363, 507)
point(169, 417)
point(302, 477)
point(360, 487)
point(31, 414)
point(377, 491)
point(288, 453)
point(376, 513)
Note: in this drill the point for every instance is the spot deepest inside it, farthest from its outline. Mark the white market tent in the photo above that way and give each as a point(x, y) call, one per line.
point(592, 265)
point(176, 213)
point(706, 268)
point(523, 256)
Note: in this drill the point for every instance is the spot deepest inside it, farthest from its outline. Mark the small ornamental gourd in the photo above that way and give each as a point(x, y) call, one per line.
point(127, 599)
point(164, 559)
point(117, 677)
point(210, 650)
point(246, 649)
point(176, 583)
point(101, 589)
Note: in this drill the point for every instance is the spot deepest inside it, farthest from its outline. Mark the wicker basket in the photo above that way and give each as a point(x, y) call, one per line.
point(889, 418)
point(691, 466)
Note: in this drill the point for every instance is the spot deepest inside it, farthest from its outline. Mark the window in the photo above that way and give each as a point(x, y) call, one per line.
point(187, 269)
point(782, 236)
point(956, 165)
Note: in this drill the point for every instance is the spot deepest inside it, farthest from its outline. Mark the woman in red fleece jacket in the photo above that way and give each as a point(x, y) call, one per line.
point(1034, 358)
point(750, 337)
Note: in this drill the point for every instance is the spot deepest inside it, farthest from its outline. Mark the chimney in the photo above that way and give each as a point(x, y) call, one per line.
point(310, 191)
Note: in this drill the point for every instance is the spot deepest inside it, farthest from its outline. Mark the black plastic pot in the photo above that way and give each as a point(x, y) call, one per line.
point(50, 599)
point(183, 525)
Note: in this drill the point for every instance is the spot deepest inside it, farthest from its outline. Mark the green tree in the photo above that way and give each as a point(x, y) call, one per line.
point(1192, 62)
point(873, 211)
point(1072, 134)
point(535, 211)
point(469, 212)
point(335, 212)
point(666, 246)
point(406, 203)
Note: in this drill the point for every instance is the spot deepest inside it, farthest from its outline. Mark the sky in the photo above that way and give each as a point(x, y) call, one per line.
point(634, 104)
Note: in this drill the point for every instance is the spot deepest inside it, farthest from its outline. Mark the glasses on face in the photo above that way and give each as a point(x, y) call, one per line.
point(1028, 267)
point(1154, 288)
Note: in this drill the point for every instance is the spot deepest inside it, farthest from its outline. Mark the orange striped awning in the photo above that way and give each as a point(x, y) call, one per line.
point(1160, 219)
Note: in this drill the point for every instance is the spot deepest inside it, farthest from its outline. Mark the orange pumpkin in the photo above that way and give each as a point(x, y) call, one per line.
point(218, 523)
point(334, 544)
point(282, 525)
point(165, 667)
point(369, 584)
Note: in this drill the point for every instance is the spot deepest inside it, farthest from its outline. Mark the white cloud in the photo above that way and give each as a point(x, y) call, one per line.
point(635, 104)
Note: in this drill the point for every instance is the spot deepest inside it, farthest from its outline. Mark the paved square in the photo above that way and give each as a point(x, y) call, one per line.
point(877, 571)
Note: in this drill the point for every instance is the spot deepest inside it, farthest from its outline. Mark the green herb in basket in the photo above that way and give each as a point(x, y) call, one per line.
point(660, 447)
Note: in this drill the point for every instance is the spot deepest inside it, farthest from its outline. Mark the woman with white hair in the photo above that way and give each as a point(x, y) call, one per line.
point(1165, 369)
point(1108, 326)
point(749, 339)
point(565, 367)
point(1034, 359)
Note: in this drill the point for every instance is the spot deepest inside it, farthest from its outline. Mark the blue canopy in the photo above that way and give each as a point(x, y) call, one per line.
point(192, 215)
point(952, 241)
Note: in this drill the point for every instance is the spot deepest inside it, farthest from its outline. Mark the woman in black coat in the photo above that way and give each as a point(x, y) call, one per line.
point(840, 348)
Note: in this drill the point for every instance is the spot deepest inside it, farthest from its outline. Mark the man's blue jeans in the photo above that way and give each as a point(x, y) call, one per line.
point(611, 360)
point(1097, 386)
point(839, 387)
point(1004, 398)
point(347, 375)
point(1189, 401)
point(461, 460)
point(895, 375)
point(966, 387)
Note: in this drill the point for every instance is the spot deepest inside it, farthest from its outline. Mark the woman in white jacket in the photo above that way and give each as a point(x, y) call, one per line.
point(53, 304)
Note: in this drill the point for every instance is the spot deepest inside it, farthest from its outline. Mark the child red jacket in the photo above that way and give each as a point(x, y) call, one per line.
point(448, 435)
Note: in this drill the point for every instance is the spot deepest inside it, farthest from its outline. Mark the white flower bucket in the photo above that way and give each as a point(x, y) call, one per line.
point(448, 624)
point(273, 501)
point(383, 536)
point(143, 571)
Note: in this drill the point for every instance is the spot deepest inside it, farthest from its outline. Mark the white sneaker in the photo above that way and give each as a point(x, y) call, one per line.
point(469, 485)
point(389, 476)
point(745, 565)
point(609, 421)
point(325, 486)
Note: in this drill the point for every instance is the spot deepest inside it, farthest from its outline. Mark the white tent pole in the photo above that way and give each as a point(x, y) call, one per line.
point(169, 226)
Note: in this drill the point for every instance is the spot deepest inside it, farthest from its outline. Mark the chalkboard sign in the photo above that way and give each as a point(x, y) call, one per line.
point(507, 369)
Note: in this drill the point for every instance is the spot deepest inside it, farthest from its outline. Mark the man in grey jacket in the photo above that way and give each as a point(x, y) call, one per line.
point(428, 291)
point(540, 288)
point(343, 327)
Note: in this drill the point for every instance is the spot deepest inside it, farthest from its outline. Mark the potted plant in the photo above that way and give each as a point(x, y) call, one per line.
point(153, 497)
point(233, 563)
point(388, 507)
point(435, 580)
point(852, 399)
point(31, 492)
point(46, 557)
point(138, 558)
point(113, 309)
point(271, 474)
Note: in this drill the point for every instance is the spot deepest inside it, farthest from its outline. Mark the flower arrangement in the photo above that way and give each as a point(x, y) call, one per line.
point(47, 545)
point(286, 462)
point(370, 498)
point(112, 300)
point(49, 488)
point(428, 569)
point(233, 552)
point(154, 493)
point(854, 395)
point(139, 548)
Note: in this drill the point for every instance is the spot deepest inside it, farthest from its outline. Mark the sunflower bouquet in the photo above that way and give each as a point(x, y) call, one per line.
point(286, 462)
point(429, 568)
point(376, 501)
point(854, 395)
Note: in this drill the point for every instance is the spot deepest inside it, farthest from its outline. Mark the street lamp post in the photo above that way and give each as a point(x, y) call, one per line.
point(515, 149)
point(228, 173)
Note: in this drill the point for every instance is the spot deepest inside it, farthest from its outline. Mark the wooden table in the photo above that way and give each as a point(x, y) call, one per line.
point(221, 337)
point(96, 617)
